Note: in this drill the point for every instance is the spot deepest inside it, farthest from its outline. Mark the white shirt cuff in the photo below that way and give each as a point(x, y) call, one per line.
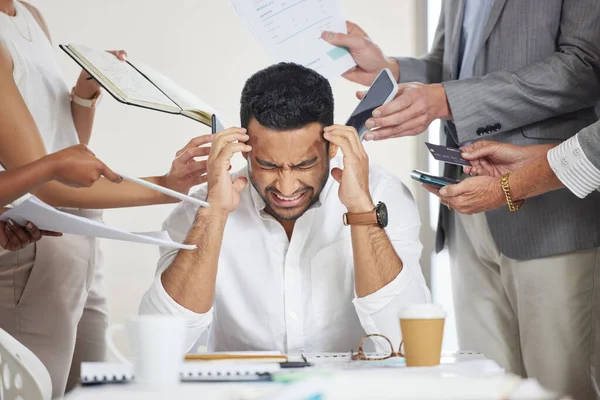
point(573, 168)
point(378, 300)
point(158, 301)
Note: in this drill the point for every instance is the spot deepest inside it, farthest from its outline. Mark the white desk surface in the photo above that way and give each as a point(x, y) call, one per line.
point(462, 375)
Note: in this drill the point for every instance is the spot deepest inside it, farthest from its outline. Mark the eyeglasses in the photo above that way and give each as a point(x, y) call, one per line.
point(386, 345)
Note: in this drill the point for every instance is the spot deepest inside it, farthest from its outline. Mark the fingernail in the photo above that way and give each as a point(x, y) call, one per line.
point(377, 113)
point(465, 154)
point(29, 226)
point(11, 222)
point(370, 124)
point(368, 137)
point(328, 35)
point(443, 191)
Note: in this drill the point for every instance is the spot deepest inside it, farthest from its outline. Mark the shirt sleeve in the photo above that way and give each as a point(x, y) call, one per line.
point(156, 300)
point(378, 312)
point(573, 168)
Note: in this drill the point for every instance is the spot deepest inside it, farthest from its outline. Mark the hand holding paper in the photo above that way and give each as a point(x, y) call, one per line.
point(48, 218)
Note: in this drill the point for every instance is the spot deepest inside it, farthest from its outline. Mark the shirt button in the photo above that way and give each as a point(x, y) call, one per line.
point(479, 131)
point(576, 152)
point(555, 170)
point(565, 161)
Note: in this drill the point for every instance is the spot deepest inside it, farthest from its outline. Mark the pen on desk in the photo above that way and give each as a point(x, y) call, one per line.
point(295, 364)
point(164, 190)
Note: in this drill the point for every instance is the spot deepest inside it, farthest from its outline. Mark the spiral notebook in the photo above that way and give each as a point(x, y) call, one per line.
point(111, 372)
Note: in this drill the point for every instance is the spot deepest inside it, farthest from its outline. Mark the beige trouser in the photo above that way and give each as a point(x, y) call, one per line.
point(537, 318)
point(52, 301)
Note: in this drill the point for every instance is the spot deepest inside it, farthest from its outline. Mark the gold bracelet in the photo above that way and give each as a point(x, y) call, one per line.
point(512, 205)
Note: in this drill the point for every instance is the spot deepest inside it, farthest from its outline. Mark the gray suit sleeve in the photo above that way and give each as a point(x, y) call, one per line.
point(589, 139)
point(426, 69)
point(564, 82)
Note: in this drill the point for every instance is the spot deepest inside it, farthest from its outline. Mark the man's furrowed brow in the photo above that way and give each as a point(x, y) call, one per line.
point(306, 163)
point(264, 163)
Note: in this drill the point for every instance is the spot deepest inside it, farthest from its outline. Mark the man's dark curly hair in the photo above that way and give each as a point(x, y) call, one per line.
point(286, 96)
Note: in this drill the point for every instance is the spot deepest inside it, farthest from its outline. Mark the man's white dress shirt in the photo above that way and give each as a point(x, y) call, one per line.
point(296, 295)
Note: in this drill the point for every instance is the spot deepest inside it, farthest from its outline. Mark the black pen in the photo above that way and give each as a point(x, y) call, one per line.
point(213, 124)
point(295, 364)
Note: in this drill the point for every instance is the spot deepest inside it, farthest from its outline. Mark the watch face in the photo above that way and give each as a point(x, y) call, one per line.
point(382, 215)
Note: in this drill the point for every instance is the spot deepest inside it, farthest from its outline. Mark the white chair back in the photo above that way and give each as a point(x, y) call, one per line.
point(22, 374)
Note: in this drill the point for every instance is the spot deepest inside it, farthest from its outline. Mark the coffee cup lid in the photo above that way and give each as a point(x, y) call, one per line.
point(422, 311)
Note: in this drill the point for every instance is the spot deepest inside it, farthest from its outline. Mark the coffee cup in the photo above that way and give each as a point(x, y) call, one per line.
point(422, 327)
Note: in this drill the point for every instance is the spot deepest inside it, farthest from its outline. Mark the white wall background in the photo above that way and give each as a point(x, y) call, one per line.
point(201, 45)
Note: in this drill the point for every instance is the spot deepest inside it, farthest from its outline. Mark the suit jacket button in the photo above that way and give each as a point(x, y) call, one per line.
point(488, 129)
point(479, 131)
point(497, 127)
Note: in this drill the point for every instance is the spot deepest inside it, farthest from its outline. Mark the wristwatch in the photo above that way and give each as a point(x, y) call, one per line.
point(89, 103)
point(379, 217)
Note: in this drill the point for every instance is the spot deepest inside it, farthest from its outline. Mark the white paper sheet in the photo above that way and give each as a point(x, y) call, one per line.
point(290, 30)
point(49, 218)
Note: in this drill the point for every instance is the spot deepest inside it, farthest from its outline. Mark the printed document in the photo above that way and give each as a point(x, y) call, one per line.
point(290, 30)
point(49, 218)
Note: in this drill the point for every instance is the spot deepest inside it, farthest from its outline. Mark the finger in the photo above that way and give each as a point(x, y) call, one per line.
point(192, 153)
point(350, 133)
point(480, 149)
point(240, 183)
point(223, 138)
point(449, 191)
point(392, 132)
point(360, 94)
point(18, 231)
point(50, 233)
point(352, 42)
point(336, 173)
point(196, 167)
point(34, 232)
point(3, 235)
point(342, 141)
point(196, 142)
point(110, 174)
point(407, 115)
point(13, 242)
point(401, 102)
point(230, 149)
point(359, 76)
point(120, 54)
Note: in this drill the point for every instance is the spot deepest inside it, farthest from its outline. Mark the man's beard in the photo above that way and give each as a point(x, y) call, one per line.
point(286, 217)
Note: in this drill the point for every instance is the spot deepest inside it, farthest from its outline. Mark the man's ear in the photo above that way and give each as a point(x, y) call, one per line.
point(333, 149)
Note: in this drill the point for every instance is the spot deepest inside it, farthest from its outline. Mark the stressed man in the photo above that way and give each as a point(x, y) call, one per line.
point(276, 267)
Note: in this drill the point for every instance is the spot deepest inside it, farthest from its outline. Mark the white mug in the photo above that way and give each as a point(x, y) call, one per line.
point(157, 347)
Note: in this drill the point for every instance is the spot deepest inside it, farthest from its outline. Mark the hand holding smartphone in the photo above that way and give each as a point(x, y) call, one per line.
point(382, 91)
point(432, 180)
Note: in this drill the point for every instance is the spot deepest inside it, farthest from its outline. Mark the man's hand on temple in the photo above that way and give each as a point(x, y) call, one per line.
point(368, 56)
point(223, 194)
point(416, 105)
point(354, 178)
point(472, 195)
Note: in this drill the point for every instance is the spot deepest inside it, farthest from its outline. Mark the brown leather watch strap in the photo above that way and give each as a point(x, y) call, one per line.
point(366, 218)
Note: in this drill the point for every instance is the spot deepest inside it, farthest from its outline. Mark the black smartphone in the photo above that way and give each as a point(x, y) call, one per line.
point(432, 180)
point(382, 91)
